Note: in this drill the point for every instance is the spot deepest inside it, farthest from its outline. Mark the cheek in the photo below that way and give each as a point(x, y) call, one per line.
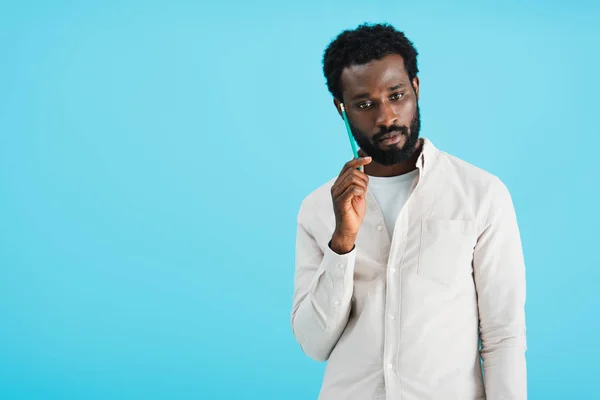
point(406, 111)
point(366, 125)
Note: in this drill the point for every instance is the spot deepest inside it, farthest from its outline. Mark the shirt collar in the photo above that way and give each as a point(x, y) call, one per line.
point(427, 156)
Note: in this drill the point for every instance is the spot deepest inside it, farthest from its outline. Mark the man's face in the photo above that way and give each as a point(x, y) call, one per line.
point(382, 107)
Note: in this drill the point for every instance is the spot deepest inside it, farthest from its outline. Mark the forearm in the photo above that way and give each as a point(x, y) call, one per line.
point(503, 339)
point(499, 270)
point(321, 308)
point(504, 368)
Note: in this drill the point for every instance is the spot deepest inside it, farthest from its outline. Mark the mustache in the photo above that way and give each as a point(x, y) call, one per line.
point(389, 130)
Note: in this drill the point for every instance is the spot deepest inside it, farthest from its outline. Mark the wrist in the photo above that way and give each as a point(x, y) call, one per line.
point(341, 244)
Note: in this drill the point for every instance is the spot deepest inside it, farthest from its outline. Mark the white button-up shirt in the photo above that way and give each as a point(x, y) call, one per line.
point(403, 318)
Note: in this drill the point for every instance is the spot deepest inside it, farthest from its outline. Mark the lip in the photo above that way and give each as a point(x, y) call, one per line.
point(393, 139)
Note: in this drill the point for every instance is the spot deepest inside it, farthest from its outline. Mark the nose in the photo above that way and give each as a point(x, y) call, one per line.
point(386, 116)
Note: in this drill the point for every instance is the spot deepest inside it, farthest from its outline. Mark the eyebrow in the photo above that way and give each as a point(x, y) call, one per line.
point(366, 95)
point(398, 86)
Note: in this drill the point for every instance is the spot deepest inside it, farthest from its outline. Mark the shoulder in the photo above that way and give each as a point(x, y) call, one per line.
point(470, 175)
point(485, 193)
point(317, 199)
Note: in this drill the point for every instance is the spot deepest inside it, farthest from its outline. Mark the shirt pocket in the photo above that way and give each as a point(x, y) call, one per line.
point(446, 250)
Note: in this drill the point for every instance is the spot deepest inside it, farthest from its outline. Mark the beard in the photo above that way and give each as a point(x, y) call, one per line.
point(393, 155)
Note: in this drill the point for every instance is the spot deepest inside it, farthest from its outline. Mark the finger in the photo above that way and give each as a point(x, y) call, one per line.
point(355, 164)
point(358, 162)
point(364, 161)
point(351, 177)
point(351, 168)
point(351, 173)
point(360, 175)
point(350, 192)
point(354, 179)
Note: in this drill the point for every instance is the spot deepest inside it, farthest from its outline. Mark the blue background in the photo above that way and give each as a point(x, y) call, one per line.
point(153, 155)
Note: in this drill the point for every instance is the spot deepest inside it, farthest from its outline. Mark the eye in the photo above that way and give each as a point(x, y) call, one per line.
point(364, 105)
point(396, 96)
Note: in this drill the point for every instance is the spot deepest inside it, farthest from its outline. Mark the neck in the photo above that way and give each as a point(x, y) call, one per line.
point(380, 170)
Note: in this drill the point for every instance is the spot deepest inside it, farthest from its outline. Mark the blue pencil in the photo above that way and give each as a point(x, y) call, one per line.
point(349, 132)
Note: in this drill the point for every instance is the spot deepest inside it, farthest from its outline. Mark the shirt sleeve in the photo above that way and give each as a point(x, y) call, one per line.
point(499, 271)
point(323, 288)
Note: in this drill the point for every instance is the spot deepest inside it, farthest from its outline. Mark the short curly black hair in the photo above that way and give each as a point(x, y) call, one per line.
point(364, 44)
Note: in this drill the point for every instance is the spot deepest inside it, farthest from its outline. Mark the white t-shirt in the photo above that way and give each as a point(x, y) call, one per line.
point(391, 193)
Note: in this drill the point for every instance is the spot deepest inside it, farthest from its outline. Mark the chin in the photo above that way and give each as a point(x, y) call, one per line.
point(397, 146)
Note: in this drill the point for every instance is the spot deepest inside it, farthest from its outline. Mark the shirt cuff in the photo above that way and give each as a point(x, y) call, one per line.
point(339, 265)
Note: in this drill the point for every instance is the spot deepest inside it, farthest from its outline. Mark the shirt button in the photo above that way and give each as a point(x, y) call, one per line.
point(390, 366)
point(340, 265)
point(392, 317)
point(393, 270)
point(336, 303)
point(379, 228)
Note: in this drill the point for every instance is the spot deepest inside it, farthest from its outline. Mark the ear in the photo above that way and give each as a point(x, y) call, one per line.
point(415, 84)
point(337, 103)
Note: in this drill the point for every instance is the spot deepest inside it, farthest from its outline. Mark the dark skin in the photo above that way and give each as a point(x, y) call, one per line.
point(377, 94)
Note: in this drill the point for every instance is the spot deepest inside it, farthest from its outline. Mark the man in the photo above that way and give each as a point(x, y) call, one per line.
point(409, 270)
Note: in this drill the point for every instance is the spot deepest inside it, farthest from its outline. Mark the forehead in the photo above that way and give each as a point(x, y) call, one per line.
point(375, 75)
